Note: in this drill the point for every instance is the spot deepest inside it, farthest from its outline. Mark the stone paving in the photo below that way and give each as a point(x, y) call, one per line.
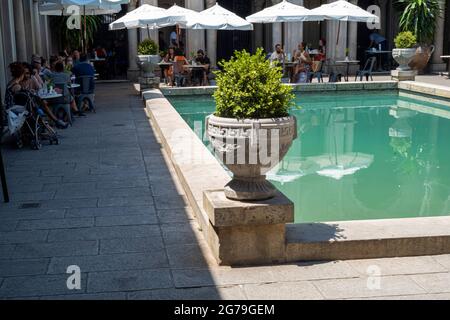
point(109, 202)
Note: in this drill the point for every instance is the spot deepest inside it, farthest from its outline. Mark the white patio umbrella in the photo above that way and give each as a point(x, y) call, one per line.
point(284, 11)
point(85, 5)
point(217, 18)
point(180, 15)
point(342, 10)
point(145, 16)
point(57, 9)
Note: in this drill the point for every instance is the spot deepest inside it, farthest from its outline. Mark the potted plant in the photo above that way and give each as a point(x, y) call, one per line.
point(148, 56)
point(420, 17)
point(251, 130)
point(404, 49)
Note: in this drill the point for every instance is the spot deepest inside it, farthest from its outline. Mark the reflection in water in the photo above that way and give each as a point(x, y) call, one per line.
point(361, 157)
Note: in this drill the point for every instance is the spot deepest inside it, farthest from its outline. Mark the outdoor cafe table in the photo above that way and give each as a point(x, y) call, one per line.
point(163, 65)
point(347, 63)
point(447, 57)
point(47, 96)
point(380, 54)
point(289, 67)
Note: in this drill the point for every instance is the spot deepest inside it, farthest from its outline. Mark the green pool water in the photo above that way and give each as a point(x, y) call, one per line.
point(359, 156)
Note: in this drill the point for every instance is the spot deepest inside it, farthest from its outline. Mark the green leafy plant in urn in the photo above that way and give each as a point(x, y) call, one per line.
point(251, 130)
point(404, 49)
point(148, 57)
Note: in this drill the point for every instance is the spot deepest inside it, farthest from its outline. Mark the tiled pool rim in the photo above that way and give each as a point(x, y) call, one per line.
point(311, 241)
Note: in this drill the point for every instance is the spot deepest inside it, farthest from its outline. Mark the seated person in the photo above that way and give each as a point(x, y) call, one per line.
point(179, 62)
point(304, 64)
point(30, 80)
point(168, 71)
point(59, 76)
point(39, 64)
point(83, 68)
point(15, 86)
point(201, 74)
point(278, 55)
point(76, 57)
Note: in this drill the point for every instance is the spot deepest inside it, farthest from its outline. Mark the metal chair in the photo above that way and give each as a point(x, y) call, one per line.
point(316, 74)
point(86, 92)
point(367, 71)
point(179, 75)
point(62, 104)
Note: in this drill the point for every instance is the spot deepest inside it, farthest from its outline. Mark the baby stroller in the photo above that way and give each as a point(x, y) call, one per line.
point(26, 122)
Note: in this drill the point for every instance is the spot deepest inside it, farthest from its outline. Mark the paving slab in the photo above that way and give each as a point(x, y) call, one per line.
point(301, 290)
point(367, 287)
point(129, 281)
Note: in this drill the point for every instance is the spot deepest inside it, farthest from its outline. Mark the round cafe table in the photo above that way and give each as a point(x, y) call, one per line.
point(47, 96)
point(347, 67)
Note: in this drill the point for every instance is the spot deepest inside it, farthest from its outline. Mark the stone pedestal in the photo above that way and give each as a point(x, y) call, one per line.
point(149, 82)
point(401, 75)
point(247, 232)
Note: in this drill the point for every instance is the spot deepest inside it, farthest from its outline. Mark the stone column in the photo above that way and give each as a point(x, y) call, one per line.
point(437, 64)
point(294, 32)
point(211, 36)
point(143, 33)
point(336, 51)
point(133, 70)
point(352, 39)
point(277, 31)
point(258, 32)
point(19, 25)
point(195, 39)
point(37, 28)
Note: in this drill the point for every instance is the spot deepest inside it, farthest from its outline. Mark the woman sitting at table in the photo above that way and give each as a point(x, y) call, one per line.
point(60, 76)
point(303, 66)
point(20, 84)
point(168, 71)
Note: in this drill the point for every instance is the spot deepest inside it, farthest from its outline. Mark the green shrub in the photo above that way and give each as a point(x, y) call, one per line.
point(148, 47)
point(250, 87)
point(405, 40)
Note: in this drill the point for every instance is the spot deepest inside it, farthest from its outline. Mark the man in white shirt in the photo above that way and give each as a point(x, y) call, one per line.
point(277, 55)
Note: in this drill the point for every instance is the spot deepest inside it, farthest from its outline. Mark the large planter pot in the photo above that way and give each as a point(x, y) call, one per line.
point(148, 64)
point(249, 148)
point(403, 57)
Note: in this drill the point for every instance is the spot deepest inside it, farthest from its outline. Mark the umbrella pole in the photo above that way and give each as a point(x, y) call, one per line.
point(282, 35)
point(84, 32)
point(148, 31)
point(339, 31)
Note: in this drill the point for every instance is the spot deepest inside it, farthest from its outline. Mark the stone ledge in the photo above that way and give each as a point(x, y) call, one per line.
point(224, 212)
point(425, 88)
point(368, 239)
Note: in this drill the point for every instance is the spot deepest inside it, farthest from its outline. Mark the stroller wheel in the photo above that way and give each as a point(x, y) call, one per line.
point(19, 142)
point(56, 141)
point(36, 144)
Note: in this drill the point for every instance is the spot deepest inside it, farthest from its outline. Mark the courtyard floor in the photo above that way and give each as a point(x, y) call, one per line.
point(107, 200)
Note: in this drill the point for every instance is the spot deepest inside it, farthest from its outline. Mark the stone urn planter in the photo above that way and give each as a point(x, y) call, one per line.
point(148, 64)
point(249, 148)
point(403, 57)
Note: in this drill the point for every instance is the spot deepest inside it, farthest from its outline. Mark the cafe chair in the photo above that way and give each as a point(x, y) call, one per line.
point(367, 70)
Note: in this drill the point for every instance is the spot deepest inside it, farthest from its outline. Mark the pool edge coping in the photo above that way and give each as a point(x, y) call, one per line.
point(166, 120)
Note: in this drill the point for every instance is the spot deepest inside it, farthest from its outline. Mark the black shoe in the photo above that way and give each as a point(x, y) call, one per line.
point(81, 114)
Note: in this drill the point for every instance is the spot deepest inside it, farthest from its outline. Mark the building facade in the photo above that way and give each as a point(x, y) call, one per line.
point(352, 35)
point(23, 31)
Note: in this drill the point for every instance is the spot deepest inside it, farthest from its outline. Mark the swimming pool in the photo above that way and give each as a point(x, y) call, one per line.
point(359, 156)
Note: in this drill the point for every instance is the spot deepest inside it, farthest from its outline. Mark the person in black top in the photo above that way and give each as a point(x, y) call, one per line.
point(201, 74)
